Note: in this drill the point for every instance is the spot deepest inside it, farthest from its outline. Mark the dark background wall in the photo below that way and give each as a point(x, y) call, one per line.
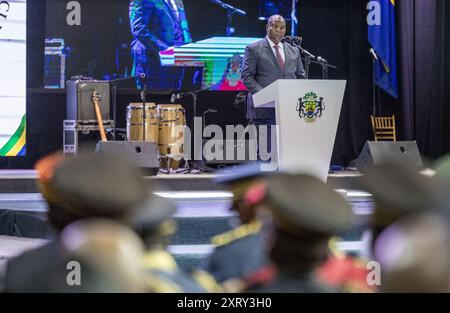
point(335, 29)
point(446, 113)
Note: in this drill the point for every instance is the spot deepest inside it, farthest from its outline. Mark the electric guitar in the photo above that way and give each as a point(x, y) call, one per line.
point(96, 100)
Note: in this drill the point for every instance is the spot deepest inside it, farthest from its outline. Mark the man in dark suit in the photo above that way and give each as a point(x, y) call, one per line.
point(265, 62)
point(156, 25)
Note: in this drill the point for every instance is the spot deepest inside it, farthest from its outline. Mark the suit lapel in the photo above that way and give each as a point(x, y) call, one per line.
point(286, 57)
point(271, 54)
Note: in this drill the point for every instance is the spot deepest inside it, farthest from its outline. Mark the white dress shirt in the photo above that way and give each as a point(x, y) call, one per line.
point(280, 48)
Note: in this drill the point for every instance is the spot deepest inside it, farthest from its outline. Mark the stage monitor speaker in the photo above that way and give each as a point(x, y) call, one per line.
point(375, 153)
point(143, 154)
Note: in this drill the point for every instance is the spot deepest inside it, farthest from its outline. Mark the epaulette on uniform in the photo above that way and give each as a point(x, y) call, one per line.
point(207, 281)
point(164, 276)
point(237, 233)
point(345, 272)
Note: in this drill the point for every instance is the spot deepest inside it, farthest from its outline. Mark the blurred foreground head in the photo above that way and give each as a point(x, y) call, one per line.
point(91, 185)
point(110, 255)
point(399, 192)
point(240, 180)
point(442, 168)
point(153, 222)
point(414, 254)
point(306, 213)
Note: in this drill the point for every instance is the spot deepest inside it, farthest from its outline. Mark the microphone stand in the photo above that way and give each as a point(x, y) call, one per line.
point(144, 117)
point(307, 61)
point(230, 11)
point(194, 95)
point(374, 87)
point(114, 84)
point(309, 58)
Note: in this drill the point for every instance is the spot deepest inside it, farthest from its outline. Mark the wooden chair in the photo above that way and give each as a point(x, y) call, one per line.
point(384, 128)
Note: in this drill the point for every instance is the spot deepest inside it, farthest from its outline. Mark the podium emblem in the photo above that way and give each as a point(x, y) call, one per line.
point(310, 107)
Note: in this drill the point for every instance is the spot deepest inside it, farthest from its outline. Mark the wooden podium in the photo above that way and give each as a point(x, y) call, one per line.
point(307, 116)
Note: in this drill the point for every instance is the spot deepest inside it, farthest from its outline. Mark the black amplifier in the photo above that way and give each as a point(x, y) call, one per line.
point(80, 105)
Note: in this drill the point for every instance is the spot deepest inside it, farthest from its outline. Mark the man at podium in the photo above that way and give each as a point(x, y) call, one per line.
point(266, 61)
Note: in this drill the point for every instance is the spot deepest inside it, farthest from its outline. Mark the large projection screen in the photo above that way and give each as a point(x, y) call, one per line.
point(13, 14)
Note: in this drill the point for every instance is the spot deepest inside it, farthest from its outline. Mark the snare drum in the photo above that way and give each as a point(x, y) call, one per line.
point(172, 124)
point(135, 125)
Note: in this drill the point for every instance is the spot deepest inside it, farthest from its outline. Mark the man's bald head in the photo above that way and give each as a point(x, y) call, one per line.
point(276, 28)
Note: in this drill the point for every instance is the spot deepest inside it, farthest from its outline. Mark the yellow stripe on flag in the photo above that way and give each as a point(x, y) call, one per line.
point(18, 146)
point(393, 2)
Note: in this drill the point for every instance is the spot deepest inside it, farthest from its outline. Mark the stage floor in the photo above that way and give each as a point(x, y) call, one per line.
point(24, 181)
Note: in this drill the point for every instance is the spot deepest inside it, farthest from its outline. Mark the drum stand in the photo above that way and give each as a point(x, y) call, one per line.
point(198, 166)
point(144, 114)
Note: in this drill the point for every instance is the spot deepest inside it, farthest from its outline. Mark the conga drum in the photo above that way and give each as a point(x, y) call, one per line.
point(135, 125)
point(172, 124)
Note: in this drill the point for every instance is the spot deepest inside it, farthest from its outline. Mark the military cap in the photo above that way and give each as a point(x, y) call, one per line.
point(398, 191)
point(45, 168)
point(442, 176)
point(152, 213)
point(442, 168)
point(239, 173)
point(99, 185)
point(304, 203)
point(241, 177)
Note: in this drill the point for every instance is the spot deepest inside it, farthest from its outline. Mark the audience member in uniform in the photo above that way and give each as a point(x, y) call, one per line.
point(88, 186)
point(398, 192)
point(414, 254)
point(407, 206)
point(241, 251)
point(154, 224)
point(100, 255)
point(306, 213)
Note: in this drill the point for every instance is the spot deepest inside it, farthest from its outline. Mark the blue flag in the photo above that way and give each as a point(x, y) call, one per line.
point(382, 37)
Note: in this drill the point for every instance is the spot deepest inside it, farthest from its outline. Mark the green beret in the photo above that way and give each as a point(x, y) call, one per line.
point(100, 185)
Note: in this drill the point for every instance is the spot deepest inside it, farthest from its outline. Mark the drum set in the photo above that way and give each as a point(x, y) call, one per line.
point(165, 125)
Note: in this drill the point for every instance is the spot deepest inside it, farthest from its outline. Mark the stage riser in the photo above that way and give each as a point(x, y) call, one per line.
point(166, 183)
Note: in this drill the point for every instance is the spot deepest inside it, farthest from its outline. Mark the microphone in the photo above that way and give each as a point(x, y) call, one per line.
point(296, 41)
point(178, 96)
point(373, 53)
point(292, 40)
point(307, 54)
point(321, 60)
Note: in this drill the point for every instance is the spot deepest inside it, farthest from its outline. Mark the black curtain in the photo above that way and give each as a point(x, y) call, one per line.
point(337, 30)
point(424, 67)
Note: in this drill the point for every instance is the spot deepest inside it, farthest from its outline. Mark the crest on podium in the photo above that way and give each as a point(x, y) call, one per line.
point(310, 107)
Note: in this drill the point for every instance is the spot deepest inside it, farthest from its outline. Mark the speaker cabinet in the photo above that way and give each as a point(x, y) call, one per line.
point(143, 154)
point(375, 153)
